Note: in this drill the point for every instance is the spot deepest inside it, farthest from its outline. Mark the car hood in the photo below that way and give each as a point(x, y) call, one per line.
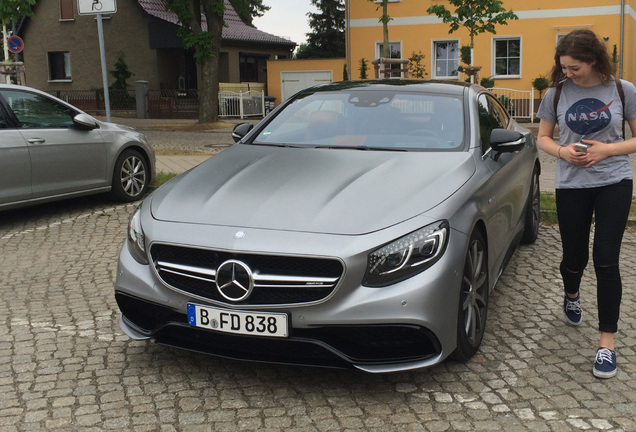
point(334, 191)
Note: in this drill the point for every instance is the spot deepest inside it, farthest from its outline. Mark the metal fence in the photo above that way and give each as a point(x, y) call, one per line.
point(173, 104)
point(166, 103)
point(92, 101)
point(241, 104)
point(518, 103)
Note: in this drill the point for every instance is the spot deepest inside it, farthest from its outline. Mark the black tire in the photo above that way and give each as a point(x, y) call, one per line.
point(473, 299)
point(533, 211)
point(130, 176)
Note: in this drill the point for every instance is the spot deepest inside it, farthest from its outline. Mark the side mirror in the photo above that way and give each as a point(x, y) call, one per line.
point(240, 130)
point(504, 140)
point(84, 121)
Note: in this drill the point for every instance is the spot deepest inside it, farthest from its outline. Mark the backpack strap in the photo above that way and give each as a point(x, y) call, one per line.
point(557, 96)
point(621, 94)
point(619, 88)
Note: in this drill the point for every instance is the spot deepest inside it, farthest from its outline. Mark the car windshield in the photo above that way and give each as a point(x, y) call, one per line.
point(369, 119)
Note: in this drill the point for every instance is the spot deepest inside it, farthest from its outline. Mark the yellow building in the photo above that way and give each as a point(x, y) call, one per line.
point(518, 53)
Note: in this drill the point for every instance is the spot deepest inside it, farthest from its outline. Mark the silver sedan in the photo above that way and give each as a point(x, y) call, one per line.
point(359, 224)
point(50, 150)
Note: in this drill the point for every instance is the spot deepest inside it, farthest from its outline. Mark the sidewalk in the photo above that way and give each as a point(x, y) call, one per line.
point(179, 164)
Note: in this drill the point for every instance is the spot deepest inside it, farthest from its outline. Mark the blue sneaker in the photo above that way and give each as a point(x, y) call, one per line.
point(605, 363)
point(572, 310)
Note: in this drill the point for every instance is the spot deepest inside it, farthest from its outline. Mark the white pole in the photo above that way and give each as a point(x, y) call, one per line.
point(102, 54)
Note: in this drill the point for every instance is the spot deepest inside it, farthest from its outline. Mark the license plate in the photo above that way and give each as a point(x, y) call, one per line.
point(238, 322)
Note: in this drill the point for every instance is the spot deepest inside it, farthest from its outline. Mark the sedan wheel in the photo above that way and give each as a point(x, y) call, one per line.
point(130, 176)
point(473, 299)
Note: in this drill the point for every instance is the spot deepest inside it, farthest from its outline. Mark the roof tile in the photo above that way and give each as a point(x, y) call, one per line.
point(235, 29)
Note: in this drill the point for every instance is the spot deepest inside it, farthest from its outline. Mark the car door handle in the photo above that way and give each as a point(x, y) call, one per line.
point(36, 140)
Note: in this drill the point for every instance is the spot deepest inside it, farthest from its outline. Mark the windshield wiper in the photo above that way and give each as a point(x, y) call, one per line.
point(362, 147)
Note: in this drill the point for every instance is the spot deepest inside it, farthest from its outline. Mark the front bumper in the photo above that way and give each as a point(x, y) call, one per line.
point(409, 325)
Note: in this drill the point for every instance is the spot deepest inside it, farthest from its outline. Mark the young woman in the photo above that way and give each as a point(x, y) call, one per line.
point(593, 176)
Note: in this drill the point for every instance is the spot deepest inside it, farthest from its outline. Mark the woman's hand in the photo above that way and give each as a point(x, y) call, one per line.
point(596, 152)
point(576, 157)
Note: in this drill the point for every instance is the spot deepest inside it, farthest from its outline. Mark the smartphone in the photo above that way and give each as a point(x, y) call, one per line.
point(581, 147)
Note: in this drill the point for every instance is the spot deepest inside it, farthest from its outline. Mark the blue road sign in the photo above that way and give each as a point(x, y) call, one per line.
point(15, 44)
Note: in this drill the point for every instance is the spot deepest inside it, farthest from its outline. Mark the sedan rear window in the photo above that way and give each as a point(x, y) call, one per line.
point(369, 119)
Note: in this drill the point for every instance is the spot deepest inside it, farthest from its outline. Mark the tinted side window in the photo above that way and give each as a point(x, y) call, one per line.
point(490, 117)
point(499, 112)
point(34, 111)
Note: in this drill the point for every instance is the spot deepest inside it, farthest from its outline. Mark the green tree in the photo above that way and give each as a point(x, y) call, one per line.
point(206, 43)
point(248, 9)
point(327, 38)
point(416, 68)
point(120, 73)
point(476, 16)
point(302, 51)
point(363, 68)
point(540, 83)
point(10, 11)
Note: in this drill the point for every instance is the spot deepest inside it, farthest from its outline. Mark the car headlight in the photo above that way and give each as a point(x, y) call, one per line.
point(406, 256)
point(136, 238)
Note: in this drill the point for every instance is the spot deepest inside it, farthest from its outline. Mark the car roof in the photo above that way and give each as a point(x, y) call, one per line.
point(445, 87)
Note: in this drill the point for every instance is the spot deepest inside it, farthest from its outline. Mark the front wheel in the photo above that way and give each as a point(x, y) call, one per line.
point(130, 176)
point(473, 299)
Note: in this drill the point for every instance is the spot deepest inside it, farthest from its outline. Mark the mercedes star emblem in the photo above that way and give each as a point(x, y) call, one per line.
point(234, 280)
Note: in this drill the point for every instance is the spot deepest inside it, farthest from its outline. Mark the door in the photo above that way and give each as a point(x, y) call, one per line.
point(64, 158)
point(15, 165)
point(293, 82)
point(507, 186)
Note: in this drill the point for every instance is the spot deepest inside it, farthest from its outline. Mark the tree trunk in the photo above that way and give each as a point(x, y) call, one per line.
point(386, 49)
point(209, 74)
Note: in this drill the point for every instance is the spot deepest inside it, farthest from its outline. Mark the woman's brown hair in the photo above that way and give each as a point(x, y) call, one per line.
point(582, 45)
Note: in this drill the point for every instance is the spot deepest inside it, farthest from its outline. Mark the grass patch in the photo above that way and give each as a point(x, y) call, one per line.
point(548, 209)
point(188, 127)
point(167, 151)
point(163, 177)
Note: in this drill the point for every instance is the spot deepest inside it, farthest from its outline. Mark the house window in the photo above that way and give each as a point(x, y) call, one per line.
point(66, 10)
point(248, 68)
point(507, 58)
point(59, 66)
point(395, 52)
point(446, 58)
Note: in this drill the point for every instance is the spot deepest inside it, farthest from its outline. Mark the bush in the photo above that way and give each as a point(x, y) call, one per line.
point(541, 83)
point(487, 82)
point(363, 68)
point(416, 68)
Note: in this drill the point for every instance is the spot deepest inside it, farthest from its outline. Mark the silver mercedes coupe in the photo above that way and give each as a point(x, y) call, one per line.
point(360, 224)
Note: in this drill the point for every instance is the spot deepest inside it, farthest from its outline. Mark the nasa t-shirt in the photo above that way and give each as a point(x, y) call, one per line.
point(592, 113)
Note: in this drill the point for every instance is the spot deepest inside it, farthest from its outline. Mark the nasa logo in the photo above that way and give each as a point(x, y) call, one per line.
point(588, 115)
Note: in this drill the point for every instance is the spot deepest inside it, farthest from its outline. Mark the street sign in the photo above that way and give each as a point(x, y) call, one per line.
point(15, 44)
point(96, 7)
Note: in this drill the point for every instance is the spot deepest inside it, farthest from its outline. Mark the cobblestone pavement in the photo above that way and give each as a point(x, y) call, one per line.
point(66, 366)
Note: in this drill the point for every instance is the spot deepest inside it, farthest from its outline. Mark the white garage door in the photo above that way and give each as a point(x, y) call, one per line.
point(293, 82)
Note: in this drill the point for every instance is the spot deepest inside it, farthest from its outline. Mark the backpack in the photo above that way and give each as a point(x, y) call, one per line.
point(619, 88)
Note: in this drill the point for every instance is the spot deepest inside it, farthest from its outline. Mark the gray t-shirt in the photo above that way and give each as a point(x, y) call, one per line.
point(594, 113)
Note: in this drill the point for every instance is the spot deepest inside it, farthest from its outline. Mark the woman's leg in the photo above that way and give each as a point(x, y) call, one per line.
point(574, 212)
point(612, 204)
